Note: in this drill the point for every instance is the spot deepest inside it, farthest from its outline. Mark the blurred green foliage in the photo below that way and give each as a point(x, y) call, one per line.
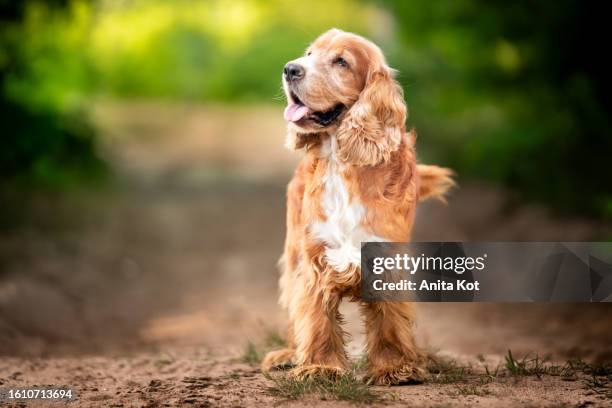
point(56, 55)
point(199, 50)
point(47, 145)
point(514, 92)
point(46, 149)
point(511, 92)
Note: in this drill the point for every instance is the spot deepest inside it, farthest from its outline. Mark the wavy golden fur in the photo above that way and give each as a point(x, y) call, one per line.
point(358, 181)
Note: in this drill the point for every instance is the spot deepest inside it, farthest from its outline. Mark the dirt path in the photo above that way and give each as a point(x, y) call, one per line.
point(189, 377)
point(150, 293)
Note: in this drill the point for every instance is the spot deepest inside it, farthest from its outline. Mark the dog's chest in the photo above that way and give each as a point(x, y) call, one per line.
point(342, 231)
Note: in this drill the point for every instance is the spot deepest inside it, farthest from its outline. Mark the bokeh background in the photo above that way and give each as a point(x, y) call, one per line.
point(143, 172)
point(512, 93)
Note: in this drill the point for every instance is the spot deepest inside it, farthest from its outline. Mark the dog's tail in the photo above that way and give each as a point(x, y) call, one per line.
point(434, 182)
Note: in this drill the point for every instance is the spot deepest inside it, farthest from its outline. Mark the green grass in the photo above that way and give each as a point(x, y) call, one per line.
point(537, 366)
point(597, 378)
point(253, 354)
point(471, 389)
point(600, 369)
point(528, 366)
point(599, 385)
point(447, 371)
point(274, 340)
point(491, 375)
point(361, 363)
point(345, 388)
point(464, 379)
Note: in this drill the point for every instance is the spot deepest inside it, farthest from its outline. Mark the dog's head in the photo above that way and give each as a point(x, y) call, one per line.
point(343, 86)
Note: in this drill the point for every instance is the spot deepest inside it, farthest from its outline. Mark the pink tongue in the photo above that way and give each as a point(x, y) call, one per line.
point(295, 112)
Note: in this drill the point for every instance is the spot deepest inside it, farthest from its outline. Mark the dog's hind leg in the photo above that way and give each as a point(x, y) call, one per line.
point(393, 357)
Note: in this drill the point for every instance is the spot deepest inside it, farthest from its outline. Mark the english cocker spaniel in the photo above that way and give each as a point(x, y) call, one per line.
point(358, 181)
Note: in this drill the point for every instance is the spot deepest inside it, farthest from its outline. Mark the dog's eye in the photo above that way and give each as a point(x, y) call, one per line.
point(308, 53)
point(341, 61)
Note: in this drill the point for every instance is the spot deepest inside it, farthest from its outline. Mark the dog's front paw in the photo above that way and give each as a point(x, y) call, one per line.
point(278, 359)
point(312, 371)
point(400, 375)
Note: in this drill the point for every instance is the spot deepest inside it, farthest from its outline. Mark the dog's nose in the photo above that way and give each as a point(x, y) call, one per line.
point(293, 72)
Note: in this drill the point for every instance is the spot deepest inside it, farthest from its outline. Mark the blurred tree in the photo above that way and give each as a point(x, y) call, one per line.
point(42, 145)
point(516, 92)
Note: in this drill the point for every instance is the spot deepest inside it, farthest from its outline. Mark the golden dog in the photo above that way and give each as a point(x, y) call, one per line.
point(358, 182)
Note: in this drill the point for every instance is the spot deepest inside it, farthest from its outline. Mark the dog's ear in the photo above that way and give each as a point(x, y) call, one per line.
point(373, 126)
point(296, 140)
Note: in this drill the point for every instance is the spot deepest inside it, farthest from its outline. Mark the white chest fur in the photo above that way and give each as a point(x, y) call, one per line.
point(342, 231)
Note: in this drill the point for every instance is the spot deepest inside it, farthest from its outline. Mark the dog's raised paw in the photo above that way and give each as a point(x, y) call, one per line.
point(402, 375)
point(278, 359)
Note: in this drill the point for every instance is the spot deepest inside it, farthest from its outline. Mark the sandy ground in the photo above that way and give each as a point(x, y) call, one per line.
point(147, 293)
